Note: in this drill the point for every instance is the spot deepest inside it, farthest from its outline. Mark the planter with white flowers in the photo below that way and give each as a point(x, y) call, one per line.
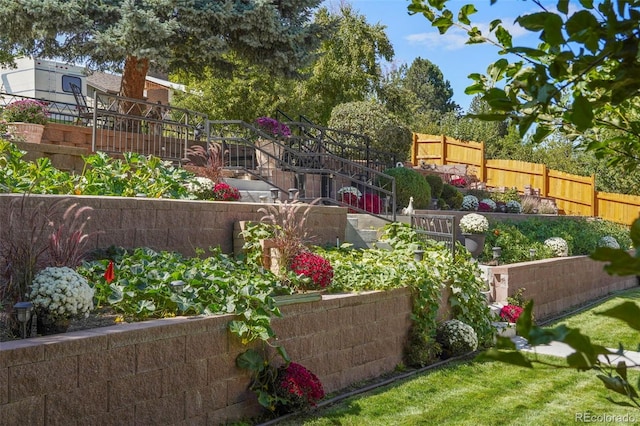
point(473, 227)
point(59, 294)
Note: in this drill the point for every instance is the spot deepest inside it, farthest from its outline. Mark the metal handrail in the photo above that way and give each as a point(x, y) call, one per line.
point(300, 162)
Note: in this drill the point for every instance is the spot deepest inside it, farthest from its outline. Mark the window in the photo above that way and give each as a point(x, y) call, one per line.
point(68, 80)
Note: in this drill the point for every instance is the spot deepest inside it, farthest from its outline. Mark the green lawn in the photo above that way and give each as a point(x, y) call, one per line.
point(493, 393)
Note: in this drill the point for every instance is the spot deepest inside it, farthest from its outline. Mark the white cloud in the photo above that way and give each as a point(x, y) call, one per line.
point(456, 38)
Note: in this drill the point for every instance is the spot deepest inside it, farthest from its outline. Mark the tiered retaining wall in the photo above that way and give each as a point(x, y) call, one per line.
point(182, 371)
point(557, 284)
point(177, 225)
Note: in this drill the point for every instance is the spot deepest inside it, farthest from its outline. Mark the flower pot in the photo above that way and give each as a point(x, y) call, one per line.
point(474, 243)
point(28, 132)
point(46, 325)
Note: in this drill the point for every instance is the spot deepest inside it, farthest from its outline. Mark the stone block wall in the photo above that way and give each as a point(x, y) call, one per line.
point(176, 225)
point(557, 284)
point(182, 370)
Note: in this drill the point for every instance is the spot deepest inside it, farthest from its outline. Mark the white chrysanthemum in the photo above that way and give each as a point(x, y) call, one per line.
point(201, 187)
point(513, 206)
point(469, 203)
point(608, 241)
point(60, 292)
point(474, 223)
point(558, 245)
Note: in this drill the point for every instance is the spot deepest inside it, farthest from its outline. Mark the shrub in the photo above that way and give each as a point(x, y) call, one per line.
point(456, 338)
point(452, 196)
point(388, 135)
point(469, 203)
point(371, 203)
point(510, 313)
point(608, 241)
point(558, 245)
point(474, 223)
point(61, 293)
point(436, 184)
point(222, 191)
point(297, 388)
point(487, 205)
point(26, 111)
point(510, 194)
point(410, 183)
point(513, 207)
point(314, 267)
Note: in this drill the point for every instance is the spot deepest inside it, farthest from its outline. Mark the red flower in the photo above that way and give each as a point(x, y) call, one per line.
point(109, 274)
point(313, 266)
point(222, 191)
point(371, 203)
point(510, 313)
point(299, 386)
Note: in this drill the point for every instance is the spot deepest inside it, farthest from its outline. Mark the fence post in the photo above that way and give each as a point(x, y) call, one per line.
point(443, 150)
point(544, 191)
point(483, 164)
point(594, 203)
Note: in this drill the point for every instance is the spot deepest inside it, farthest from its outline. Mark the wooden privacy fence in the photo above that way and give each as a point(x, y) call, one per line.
point(574, 195)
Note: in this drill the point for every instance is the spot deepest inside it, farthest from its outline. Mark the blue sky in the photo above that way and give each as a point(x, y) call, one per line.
point(413, 36)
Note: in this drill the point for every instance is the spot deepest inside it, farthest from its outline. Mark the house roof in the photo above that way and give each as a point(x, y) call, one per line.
point(110, 83)
point(104, 82)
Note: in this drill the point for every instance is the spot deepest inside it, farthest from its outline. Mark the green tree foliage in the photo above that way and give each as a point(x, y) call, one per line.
point(163, 34)
point(373, 120)
point(347, 68)
point(249, 92)
point(580, 79)
point(432, 91)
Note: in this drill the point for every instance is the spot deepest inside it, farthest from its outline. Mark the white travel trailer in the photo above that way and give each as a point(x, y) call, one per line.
point(43, 79)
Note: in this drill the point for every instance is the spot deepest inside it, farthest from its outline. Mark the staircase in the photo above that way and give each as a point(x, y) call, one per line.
point(363, 230)
point(305, 161)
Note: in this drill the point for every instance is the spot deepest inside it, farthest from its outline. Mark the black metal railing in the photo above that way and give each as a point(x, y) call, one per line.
point(60, 112)
point(124, 124)
point(301, 162)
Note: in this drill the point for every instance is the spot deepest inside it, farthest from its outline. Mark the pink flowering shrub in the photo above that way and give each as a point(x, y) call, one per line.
point(484, 207)
point(222, 191)
point(510, 313)
point(27, 111)
point(315, 267)
point(297, 387)
point(460, 182)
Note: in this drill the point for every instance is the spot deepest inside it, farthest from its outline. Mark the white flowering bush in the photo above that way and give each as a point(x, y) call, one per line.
point(200, 187)
point(456, 338)
point(474, 223)
point(608, 241)
point(61, 293)
point(558, 245)
point(469, 203)
point(513, 207)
